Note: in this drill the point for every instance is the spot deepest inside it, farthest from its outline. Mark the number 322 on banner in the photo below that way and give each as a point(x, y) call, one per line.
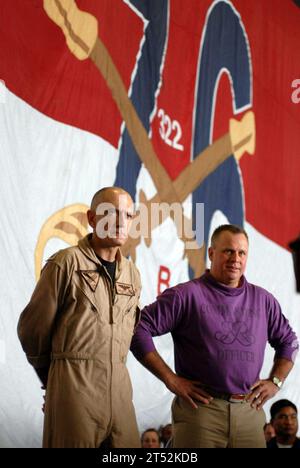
point(170, 130)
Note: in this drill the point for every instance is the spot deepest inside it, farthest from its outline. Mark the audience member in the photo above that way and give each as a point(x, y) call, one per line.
point(150, 438)
point(269, 431)
point(166, 433)
point(284, 418)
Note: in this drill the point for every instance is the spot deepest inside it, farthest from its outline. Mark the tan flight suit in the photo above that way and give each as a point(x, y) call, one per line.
point(81, 326)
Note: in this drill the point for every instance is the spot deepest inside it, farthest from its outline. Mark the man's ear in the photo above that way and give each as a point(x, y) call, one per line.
point(91, 215)
point(210, 253)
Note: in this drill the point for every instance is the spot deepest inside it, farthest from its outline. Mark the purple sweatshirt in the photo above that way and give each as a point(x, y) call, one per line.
point(219, 333)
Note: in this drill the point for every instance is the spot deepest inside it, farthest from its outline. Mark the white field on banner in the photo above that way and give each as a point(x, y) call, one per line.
point(2, 92)
point(2, 352)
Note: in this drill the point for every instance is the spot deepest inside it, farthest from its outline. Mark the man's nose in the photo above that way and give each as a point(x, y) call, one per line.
point(121, 219)
point(234, 256)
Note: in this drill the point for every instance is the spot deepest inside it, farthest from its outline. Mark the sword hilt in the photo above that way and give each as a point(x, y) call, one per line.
point(79, 27)
point(242, 135)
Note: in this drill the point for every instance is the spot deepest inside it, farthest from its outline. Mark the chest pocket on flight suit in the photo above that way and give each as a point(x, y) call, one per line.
point(130, 315)
point(85, 286)
point(78, 326)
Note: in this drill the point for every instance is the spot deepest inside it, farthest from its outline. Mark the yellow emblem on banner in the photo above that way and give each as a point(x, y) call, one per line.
point(68, 224)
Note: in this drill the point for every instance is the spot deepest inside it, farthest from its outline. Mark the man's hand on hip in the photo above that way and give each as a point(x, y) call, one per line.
point(261, 392)
point(189, 390)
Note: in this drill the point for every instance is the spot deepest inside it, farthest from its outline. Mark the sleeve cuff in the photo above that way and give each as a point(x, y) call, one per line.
point(289, 353)
point(140, 349)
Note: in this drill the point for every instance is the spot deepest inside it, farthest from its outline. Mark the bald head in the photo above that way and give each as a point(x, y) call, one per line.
point(108, 195)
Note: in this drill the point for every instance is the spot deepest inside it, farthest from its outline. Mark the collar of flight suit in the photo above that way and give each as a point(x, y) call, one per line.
point(86, 248)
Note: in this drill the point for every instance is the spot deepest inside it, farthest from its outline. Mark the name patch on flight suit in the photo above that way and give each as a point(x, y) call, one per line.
point(125, 289)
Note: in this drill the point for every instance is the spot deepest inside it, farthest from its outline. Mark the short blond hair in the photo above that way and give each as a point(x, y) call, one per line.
point(233, 228)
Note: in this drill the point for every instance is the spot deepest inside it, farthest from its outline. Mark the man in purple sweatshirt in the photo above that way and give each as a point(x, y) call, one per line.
point(220, 326)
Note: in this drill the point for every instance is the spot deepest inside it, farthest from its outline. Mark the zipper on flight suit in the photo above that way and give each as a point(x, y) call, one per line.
point(111, 288)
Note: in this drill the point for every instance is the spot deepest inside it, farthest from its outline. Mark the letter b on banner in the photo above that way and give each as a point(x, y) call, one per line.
point(164, 276)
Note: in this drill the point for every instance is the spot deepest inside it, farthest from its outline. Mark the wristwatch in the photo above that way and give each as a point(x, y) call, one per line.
point(276, 381)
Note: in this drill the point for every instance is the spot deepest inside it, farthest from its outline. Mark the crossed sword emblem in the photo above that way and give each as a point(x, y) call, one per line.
point(81, 33)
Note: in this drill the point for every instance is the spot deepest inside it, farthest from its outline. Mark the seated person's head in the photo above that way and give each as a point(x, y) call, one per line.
point(150, 439)
point(166, 433)
point(269, 432)
point(284, 418)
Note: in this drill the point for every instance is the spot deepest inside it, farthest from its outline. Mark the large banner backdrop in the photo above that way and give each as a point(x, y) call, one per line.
point(189, 101)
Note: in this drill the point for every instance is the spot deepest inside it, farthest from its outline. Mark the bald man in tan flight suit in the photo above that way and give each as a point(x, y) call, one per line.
point(77, 328)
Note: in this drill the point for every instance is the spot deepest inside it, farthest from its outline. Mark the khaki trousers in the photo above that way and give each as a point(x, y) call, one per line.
point(218, 425)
